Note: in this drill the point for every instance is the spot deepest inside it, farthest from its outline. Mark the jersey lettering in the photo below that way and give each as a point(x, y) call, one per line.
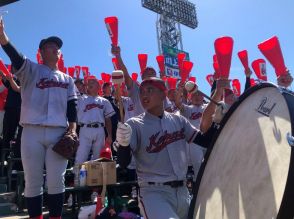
point(164, 140)
point(92, 106)
point(45, 83)
point(195, 116)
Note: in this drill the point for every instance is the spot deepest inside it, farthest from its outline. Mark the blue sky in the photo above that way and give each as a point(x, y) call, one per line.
point(86, 42)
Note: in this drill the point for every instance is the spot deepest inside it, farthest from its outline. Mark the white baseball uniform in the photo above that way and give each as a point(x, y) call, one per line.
point(159, 148)
point(195, 152)
point(92, 111)
point(45, 93)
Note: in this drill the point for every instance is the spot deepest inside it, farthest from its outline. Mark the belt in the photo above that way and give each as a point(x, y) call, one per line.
point(173, 184)
point(93, 125)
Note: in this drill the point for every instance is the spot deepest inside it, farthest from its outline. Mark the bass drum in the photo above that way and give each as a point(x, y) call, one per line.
point(248, 171)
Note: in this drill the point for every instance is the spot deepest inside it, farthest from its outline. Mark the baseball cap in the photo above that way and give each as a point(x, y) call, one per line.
point(53, 39)
point(156, 82)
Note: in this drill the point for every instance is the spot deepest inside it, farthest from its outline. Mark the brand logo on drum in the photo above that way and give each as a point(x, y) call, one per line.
point(264, 108)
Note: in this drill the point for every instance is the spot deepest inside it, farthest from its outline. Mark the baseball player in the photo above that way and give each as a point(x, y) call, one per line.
point(133, 87)
point(48, 109)
point(94, 114)
point(193, 113)
point(157, 140)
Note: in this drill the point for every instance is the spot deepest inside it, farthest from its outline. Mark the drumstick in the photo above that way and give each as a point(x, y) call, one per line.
point(120, 104)
point(209, 98)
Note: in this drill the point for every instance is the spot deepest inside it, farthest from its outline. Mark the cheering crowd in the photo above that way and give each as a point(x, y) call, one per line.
point(156, 128)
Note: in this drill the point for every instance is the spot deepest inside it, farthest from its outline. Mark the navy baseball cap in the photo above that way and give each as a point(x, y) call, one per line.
point(53, 39)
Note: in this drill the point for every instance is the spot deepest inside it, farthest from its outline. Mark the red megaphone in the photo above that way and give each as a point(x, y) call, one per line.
point(216, 67)
point(142, 61)
point(71, 71)
point(259, 68)
point(187, 67)
point(243, 56)
point(192, 79)
point(112, 27)
point(85, 71)
point(181, 57)
point(134, 76)
point(160, 61)
point(115, 63)
point(3, 68)
point(209, 79)
point(223, 49)
point(172, 83)
point(236, 87)
point(106, 77)
point(272, 51)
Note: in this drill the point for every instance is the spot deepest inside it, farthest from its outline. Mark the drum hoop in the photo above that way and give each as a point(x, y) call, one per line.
point(287, 205)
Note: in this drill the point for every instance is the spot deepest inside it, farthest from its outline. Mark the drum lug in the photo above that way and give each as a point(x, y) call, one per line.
point(290, 139)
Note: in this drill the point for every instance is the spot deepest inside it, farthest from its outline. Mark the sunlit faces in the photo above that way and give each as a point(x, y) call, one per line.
point(197, 98)
point(106, 89)
point(50, 52)
point(93, 87)
point(80, 86)
point(151, 97)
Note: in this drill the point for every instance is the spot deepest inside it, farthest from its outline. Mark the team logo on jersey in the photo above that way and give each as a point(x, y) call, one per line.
point(157, 144)
point(46, 83)
point(195, 116)
point(92, 106)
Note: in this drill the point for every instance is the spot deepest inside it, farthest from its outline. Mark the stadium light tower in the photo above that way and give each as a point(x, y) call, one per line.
point(171, 13)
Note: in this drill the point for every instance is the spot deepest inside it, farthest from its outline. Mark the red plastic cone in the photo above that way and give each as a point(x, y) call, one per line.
point(181, 57)
point(223, 50)
point(106, 77)
point(71, 71)
point(216, 67)
point(77, 71)
point(236, 87)
point(272, 51)
point(142, 61)
point(3, 68)
point(160, 61)
point(192, 79)
point(85, 71)
point(115, 63)
point(243, 56)
point(134, 76)
point(259, 67)
point(172, 83)
point(210, 79)
point(112, 27)
point(187, 67)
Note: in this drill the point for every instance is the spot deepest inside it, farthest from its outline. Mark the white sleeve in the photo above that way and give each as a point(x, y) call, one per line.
point(108, 109)
point(72, 91)
point(27, 72)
